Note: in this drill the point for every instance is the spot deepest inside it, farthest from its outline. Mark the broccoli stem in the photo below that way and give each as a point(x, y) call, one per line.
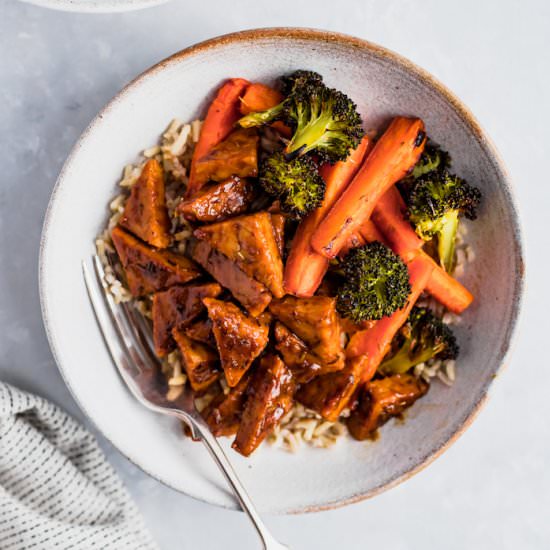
point(398, 364)
point(401, 362)
point(446, 240)
point(261, 117)
point(309, 136)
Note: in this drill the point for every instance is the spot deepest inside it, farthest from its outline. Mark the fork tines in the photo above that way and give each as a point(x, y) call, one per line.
point(126, 334)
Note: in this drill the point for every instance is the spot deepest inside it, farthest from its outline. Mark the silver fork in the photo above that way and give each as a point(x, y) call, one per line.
point(128, 340)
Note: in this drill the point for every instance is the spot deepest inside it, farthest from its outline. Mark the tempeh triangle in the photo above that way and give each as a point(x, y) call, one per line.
point(250, 242)
point(240, 338)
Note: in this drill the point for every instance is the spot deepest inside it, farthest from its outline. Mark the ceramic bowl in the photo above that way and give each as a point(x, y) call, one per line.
point(96, 6)
point(383, 84)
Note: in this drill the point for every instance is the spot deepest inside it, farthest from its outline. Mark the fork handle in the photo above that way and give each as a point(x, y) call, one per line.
point(217, 453)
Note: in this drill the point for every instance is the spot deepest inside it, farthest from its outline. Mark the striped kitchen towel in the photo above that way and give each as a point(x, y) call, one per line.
point(56, 488)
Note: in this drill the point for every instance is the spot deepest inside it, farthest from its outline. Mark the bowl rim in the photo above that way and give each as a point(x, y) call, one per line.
point(96, 6)
point(317, 35)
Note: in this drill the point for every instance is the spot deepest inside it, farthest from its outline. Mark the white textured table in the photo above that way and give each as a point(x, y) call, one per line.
point(492, 489)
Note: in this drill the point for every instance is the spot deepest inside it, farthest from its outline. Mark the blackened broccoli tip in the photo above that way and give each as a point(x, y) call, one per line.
point(435, 195)
point(296, 183)
point(376, 283)
point(435, 203)
point(433, 158)
point(423, 337)
point(298, 79)
point(324, 121)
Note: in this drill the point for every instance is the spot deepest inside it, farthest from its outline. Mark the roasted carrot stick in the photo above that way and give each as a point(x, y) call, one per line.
point(220, 119)
point(447, 290)
point(367, 233)
point(442, 286)
point(393, 156)
point(354, 240)
point(338, 176)
point(259, 97)
point(376, 341)
point(389, 218)
point(389, 215)
point(305, 268)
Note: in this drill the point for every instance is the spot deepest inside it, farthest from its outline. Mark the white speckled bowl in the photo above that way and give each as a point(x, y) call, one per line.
point(383, 84)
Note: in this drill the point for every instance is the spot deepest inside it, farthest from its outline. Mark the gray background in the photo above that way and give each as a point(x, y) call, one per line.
point(492, 488)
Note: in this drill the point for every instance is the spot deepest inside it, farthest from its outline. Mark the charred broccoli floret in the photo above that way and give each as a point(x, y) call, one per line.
point(289, 84)
point(423, 337)
point(433, 158)
point(296, 183)
point(435, 203)
point(298, 79)
point(323, 120)
point(376, 283)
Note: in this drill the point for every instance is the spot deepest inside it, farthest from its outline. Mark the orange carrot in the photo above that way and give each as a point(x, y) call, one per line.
point(376, 341)
point(305, 268)
point(259, 97)
point(447, 290)
point(393, 156)
point(370, 233)
point(338, 176)
point(367, 233)
point(442, 286)
point(220, 119)
point(389, 215)
point(355, 240)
